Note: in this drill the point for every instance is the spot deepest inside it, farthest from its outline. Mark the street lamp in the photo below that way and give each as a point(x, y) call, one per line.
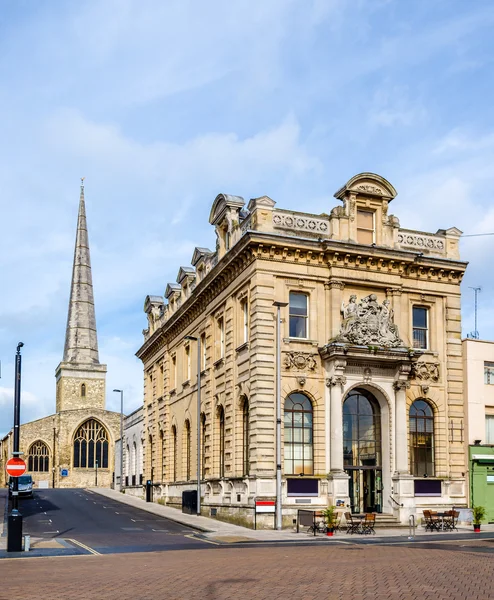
point(198, 340)
point(278, 413)
point(121, 437)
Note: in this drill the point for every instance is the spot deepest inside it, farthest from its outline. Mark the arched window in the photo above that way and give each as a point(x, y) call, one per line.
point(421, 423)
point(91, 446)
point(174, 457)
point(221, 422)
point(203, 445)
point(187, 449)
point(298, 448)
point(83, 390)
point(245, 437)
point(38, 456)
point(162, 456)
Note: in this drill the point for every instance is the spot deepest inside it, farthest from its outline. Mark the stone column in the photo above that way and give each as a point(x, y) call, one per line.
point(335, 385)
point(401, 443)
point(335, 298)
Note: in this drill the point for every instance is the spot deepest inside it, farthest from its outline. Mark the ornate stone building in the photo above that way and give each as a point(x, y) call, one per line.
point(75, 446)
point(371, 361)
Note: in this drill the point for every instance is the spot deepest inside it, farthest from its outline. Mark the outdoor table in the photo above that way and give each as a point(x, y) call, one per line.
point(442, 515)
point(360, 516)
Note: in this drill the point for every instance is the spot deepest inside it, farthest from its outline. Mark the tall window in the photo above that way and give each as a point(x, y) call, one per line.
point(173, 372)
point(245, 320)
point(37, 460)
point(298, 435)
point(421, 423)
point(174, 452)
point(203, 446)
point(299, 313)
point(187, 363)
point(187, 449)
point(203, 351)
point(221, 419)
point(365, 227)
point(83, 390)
point(245, 437)
point(489, 373)
point(134, 464)
point(361, 430)
point(489, 429)
point(162, 456)
point(420, 327)
point(91, 446)
point(221, 338)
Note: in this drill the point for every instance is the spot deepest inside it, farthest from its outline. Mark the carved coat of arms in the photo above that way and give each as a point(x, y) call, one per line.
point(369, 323)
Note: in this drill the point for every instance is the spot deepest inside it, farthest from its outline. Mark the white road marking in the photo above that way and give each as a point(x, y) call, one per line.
point(84, 546)
point(51, 531)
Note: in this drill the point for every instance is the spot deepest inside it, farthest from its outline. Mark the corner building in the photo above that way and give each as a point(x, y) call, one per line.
point(371, 362)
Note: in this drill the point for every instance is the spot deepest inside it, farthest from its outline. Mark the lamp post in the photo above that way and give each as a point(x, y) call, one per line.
point(279, 515)
point(14, 523)
point(121, 437)
point(96, 474)
point(198, 340)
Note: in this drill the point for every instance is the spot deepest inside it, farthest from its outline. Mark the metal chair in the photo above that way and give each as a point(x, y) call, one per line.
point(431, 522)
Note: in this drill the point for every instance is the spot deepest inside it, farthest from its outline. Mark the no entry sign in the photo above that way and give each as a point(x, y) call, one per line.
point(15, 467)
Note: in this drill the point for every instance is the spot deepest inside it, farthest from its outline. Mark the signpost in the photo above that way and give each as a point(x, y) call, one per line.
point(263, 506)
point(15, 467)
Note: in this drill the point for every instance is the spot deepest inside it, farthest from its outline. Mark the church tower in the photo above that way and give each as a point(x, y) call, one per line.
point(81, 379)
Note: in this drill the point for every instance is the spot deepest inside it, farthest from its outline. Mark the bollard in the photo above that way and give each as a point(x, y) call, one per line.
point(14, 531)
point(27, 543)
point(411, 527)
point(149, 491)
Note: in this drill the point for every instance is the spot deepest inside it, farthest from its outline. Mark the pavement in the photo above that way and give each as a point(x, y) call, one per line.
point(222, 532)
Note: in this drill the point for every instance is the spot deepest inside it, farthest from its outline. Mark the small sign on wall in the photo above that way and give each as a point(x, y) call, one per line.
point(64, 472)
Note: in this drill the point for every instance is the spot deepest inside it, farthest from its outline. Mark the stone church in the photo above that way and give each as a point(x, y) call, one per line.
point(75, 446)
point(371, 369)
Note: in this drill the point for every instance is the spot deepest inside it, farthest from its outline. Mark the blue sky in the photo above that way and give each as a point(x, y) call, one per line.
point(162, 105)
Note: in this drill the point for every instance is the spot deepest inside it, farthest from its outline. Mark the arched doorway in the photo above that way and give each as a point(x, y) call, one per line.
point(362, 452)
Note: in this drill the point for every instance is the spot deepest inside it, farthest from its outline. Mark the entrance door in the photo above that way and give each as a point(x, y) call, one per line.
point(362, 451)
point(365, 488)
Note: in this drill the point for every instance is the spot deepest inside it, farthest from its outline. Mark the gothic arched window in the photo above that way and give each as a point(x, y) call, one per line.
point(83, 390)
point(38, 457)
point(298, 446)
point(91, 446)
point(421, 425)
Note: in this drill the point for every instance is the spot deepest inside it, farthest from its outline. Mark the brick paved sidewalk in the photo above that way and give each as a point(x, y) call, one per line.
point(325, 572)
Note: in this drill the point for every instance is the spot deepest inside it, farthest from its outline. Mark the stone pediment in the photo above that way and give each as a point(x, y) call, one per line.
point(172, 288)
point(367, 184)
point(262, 202)
point(221, 204)
point(200, 253)
point(451, 231)
point(369, 323)
point(186, 272)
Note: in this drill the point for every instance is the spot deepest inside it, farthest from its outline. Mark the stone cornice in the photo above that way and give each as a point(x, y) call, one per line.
point(257, 245)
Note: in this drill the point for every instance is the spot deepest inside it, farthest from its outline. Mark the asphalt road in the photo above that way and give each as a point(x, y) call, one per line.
point(103, 525)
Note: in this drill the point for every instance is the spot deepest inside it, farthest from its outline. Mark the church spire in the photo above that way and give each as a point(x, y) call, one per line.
point(81, 343)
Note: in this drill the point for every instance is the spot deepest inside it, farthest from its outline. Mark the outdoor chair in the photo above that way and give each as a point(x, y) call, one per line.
point(368, 523)
point(337, 523)
point(451, 520)
point(352, 526)
point(431, 522)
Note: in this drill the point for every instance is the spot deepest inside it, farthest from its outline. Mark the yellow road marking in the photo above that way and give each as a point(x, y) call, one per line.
point(84, 546)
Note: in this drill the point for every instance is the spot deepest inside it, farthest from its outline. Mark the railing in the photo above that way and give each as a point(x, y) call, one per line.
point(301, 223)
point(421, 242)
point(396, 502)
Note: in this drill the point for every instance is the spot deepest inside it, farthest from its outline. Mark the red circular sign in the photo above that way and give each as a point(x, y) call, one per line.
point(15, 467)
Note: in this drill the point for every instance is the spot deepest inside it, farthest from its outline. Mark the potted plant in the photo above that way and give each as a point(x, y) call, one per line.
point(478, 513)
point(330, 518)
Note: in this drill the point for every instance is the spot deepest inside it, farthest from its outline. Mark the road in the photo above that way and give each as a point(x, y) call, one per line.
point(103, 525)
